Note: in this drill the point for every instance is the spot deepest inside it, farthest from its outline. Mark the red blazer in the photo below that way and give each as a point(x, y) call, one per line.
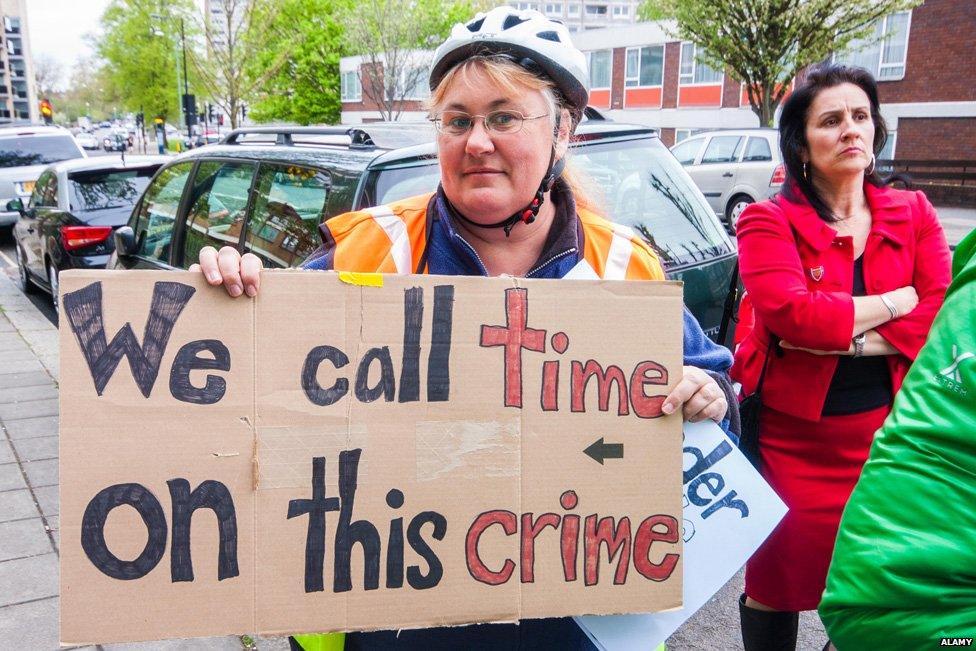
point(798, 273)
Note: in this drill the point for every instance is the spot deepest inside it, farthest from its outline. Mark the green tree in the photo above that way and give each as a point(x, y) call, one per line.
point(765, 43)
point(140, 50)
point(234, 42)
point(87, 93)
point(394, 39)
point(305, 88)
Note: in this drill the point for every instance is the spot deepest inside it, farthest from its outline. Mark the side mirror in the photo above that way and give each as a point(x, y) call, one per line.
point(15, 205)
point(125, 241)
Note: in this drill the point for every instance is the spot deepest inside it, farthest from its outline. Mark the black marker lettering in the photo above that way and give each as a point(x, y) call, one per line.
point(416, 579)
point(413, 319)
point(211, 495)
point(439, 360)
point(349, 533)
point(188, 359)
point(83, 309)
point(385, 386)
point(310, 384)
point(93, 530)
point(316, 509)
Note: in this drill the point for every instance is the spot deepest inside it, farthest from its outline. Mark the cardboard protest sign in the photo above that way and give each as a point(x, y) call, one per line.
point(385, 452)
point(729, 510)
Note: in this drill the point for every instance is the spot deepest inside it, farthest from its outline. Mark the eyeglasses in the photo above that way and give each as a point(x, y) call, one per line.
point(457, 123)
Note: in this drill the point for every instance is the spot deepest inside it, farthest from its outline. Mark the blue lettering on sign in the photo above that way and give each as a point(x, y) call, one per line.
point(702, 488)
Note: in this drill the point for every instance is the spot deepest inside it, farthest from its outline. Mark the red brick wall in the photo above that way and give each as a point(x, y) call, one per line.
point(667, 136)
point(936, 138)
point(941, 62)
point(731, 91)
point(367, 103)
point(617, 77)
point(672, 63)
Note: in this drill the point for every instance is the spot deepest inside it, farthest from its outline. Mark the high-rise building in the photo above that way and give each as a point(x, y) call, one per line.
point(18, 90)
point(216, 17)
point(580, 15)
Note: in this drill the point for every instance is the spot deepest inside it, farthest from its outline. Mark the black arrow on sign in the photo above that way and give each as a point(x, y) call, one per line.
point(598, 451)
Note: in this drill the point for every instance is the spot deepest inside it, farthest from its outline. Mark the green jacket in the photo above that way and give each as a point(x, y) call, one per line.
point(903, 574)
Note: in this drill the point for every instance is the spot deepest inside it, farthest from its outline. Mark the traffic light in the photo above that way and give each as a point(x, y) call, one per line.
point(47, 111)
point(190, 109)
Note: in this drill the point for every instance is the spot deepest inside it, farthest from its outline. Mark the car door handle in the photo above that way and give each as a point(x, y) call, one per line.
point(727, 175)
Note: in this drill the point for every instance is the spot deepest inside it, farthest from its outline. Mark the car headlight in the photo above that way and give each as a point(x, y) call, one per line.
point(24, 188)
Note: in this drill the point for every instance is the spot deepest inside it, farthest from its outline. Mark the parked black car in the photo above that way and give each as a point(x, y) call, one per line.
point(73, 209)
point(266, 190)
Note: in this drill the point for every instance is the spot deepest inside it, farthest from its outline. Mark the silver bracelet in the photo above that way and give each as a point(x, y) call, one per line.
point(891, 306)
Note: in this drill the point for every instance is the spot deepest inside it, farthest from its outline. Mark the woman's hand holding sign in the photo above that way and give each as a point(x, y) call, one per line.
point(238, 274)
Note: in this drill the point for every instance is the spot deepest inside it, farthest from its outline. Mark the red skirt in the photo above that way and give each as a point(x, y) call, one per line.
point(813, 467)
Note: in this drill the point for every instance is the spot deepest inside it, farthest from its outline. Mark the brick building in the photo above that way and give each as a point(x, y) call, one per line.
point(358, 106)
point(924, 65)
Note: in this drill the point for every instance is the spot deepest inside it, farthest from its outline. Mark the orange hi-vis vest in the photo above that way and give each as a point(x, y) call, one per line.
point(391, 239)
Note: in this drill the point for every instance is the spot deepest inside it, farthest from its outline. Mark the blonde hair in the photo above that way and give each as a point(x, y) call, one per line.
point(514, 79)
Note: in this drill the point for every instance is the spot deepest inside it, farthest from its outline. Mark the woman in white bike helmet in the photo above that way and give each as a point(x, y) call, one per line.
point(507, 91)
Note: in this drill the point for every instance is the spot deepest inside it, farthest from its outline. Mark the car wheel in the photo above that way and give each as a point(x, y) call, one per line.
point(734, 209)
point(52, 279)
point(24, 281)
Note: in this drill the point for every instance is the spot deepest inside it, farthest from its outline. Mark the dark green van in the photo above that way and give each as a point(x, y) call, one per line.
point(266, 189)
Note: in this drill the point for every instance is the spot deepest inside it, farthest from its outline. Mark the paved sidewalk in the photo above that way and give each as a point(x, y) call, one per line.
point(29, 536)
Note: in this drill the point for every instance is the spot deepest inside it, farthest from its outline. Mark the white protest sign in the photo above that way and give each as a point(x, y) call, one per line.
point(729, 510)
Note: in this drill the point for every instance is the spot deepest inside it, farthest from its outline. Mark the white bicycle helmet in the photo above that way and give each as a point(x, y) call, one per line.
point(524, 34)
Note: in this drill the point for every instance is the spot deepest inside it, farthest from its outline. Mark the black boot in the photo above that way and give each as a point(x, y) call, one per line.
point(767, 631)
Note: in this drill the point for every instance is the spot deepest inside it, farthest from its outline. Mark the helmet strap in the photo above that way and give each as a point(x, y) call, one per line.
point(528, 214)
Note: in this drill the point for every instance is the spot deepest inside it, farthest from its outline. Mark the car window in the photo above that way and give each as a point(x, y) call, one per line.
point(40, 187)
point(687, 151)
point(37, 150)
point(50, 196)
point(218, 203)
point(103, 190)
point(757, 150)
point(722, 149)
point(402, 182)
point(289, 204)
point(157, 214)
point(643, 187)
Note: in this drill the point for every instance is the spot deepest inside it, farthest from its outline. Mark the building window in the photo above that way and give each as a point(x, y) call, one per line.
point(352, 90)
point(684, 134)
point(884, 52)
point(596, 10)
point(554, 10)
point(412, 83)
point(694, 72)
point(645, 66)
point(599, 63)
point(621, 10)
point(888, 150)
point(573, 10)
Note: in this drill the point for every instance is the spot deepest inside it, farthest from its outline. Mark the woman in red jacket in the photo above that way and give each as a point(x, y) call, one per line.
point(845, 277)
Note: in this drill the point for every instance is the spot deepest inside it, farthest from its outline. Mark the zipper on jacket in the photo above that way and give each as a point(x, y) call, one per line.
point(549, 261)
point(483, 268)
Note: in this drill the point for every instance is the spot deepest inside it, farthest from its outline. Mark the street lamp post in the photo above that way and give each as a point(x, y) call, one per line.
point(182, 94)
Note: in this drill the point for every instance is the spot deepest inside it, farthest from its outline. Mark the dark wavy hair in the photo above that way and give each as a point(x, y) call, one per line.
point(793, 123)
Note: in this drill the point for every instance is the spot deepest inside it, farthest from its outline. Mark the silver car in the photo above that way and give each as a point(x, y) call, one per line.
point(733, 168)
point(24, 153)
